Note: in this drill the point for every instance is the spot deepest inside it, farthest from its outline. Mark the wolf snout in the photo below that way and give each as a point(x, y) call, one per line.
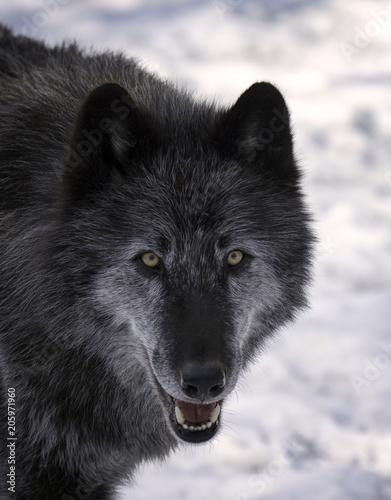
point(202, 381)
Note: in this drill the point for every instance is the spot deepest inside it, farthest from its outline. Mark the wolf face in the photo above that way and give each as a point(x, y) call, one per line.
point(191, 233)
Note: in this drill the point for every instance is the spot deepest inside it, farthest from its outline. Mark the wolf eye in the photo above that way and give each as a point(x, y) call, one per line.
point(235, 257)
point(150, 259)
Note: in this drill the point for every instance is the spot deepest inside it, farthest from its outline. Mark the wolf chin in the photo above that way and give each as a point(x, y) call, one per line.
point(149, 245)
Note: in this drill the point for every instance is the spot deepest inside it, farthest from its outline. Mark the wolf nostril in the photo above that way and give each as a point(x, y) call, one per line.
point(202, 380)
point(190, 390)
point(216, 389)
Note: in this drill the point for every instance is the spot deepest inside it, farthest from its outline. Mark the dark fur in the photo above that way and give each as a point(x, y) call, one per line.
point(88, 335)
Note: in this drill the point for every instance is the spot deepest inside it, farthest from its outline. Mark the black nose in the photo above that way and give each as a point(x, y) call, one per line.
point(202, 380)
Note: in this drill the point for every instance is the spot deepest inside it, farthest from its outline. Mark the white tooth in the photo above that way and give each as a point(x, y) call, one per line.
point(209, 425)
point(203, 427)
point(185, 426)
point(191, 428)
point(215, 414)
point(179, 416)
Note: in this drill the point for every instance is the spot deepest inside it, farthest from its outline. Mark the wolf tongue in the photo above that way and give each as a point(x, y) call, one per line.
point(195, 413)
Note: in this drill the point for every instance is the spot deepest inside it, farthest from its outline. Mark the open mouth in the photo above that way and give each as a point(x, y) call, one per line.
point(195, 422)
point(191, 422)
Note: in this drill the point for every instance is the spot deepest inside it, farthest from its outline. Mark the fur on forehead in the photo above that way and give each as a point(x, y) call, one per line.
point(196, 187)
point(213, 208)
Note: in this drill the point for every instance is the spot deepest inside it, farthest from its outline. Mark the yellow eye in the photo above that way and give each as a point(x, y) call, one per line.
point(235, 257)
point(150, 259)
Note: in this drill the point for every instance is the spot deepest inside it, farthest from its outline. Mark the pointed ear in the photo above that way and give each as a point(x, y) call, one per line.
point(110, 130)
point(256, 130)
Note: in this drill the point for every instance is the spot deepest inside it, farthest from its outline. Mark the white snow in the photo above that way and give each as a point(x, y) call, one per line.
point(313, 418)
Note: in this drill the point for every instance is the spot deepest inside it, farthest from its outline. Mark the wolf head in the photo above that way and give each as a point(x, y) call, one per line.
point(191, 236)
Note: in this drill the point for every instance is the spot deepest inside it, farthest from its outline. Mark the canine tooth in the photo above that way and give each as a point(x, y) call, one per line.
point(215, 414)
point(179, 416)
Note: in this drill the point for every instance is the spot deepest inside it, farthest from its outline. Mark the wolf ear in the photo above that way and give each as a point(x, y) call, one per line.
point(110, 129)
point(256, 130)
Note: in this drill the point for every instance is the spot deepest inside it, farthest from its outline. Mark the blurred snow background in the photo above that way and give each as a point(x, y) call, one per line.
point(313, 418)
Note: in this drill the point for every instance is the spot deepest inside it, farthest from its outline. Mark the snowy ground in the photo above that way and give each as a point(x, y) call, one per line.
point(313, 419)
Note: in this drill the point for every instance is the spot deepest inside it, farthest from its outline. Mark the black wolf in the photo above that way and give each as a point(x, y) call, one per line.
point(149, 245)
